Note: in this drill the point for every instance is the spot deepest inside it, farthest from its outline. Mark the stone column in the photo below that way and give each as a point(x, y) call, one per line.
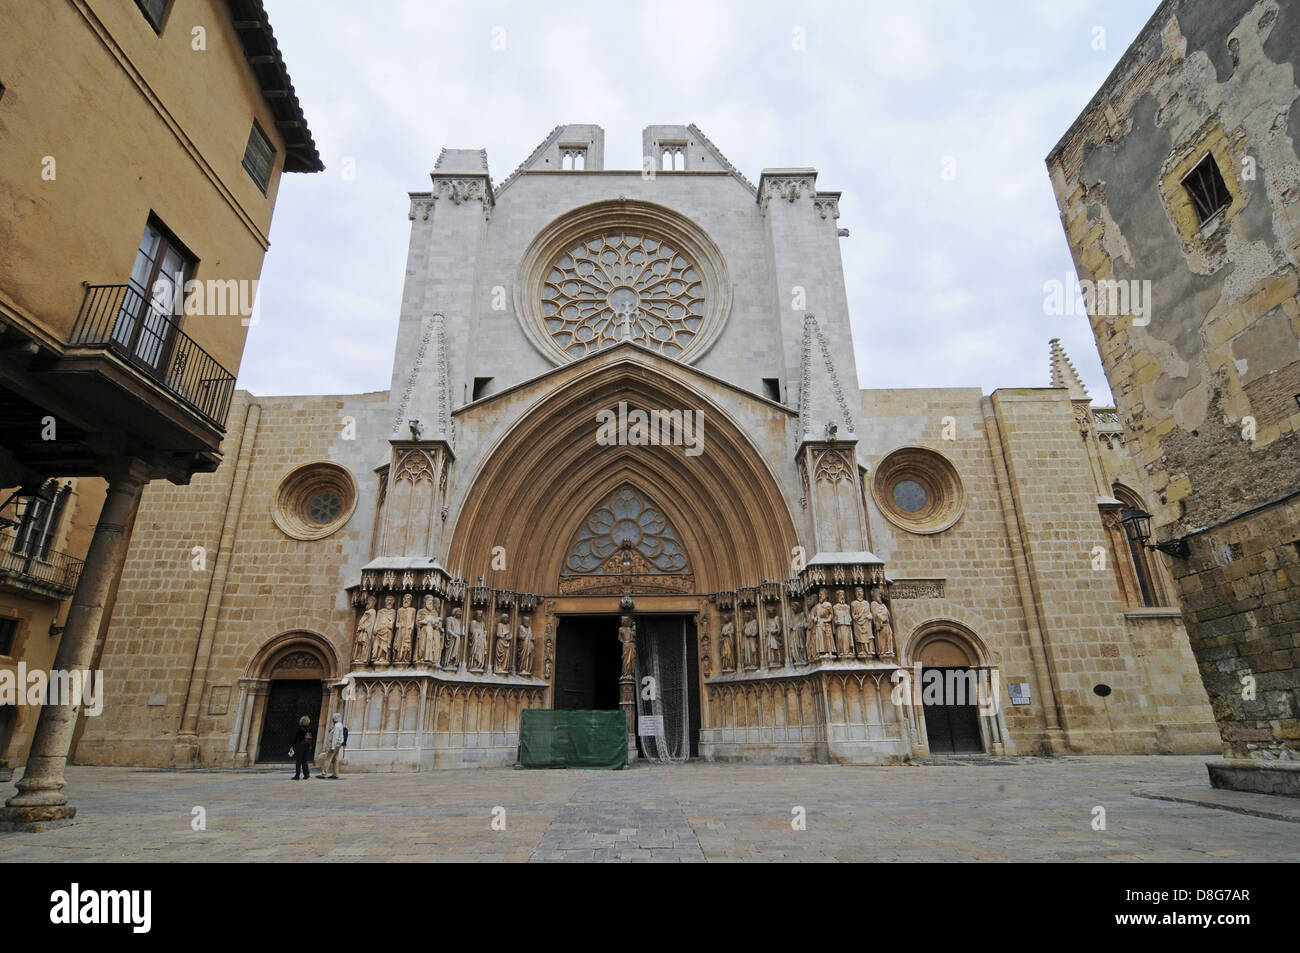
point(248, 690)
point(40, 795)
point(627, 702)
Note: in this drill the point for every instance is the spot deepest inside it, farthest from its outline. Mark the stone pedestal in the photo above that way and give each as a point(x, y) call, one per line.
point(35, 819)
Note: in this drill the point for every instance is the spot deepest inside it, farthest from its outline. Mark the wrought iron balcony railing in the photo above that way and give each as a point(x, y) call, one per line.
point(128, 322)
point(54, 571)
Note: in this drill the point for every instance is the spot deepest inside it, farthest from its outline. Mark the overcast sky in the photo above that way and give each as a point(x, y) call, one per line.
point(945, 275)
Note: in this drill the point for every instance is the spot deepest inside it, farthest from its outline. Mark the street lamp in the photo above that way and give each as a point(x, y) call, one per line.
point(1137, 527)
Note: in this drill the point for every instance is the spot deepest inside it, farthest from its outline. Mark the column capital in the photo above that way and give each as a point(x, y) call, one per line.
point(126, 473)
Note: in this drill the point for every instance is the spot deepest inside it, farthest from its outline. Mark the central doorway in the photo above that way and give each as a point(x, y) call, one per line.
point(589, 661)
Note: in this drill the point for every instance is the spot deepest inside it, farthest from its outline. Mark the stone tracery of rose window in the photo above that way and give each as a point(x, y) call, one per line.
point(626, 519)
point(623, 285)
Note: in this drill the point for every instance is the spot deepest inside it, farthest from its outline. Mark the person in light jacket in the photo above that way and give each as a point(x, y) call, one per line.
point(329, 768)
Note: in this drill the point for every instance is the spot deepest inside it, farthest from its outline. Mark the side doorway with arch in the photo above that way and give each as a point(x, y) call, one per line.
point(288, 679)
point(958, 705)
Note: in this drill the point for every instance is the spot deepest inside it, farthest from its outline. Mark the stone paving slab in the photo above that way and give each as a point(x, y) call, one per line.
point(1009, 809)
point(1275, 807)
point(621, 816)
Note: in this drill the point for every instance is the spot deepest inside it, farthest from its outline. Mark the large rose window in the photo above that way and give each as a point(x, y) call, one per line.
point(623, 286)
point(623, 271)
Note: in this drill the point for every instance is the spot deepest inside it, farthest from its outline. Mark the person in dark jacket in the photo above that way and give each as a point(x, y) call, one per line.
point(302, 749)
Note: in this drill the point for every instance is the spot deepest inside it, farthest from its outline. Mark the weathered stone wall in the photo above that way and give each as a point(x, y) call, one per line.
point(1244, 622)
point(1207, 390)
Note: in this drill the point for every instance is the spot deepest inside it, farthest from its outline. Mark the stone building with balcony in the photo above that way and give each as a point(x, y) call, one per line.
point(615, 448)
point(141, 150)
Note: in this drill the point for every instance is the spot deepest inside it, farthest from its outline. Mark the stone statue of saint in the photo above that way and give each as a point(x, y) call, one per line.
point(775, 657)
point(428, 625)
point(501, 658)
point(451, 648)
point(477, 642)
point(627, 635)
point(727, 644)
point(405, 631)
point(751, 640)
point(799, 636)
point(365, 627)
point(843, 626)
point(822, 615)
point(382, 645)
point(884, 630)
point(527, 643)
point(864, 643)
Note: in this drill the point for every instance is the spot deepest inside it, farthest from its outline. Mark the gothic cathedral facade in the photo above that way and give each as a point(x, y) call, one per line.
point(624, 443)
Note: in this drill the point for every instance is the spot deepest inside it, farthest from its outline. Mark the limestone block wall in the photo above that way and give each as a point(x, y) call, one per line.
point(186, 628)
point(974, 557)
point(1017, 576)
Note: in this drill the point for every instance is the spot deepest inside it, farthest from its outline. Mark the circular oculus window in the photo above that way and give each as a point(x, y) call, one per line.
point(918, 490)
point(314, 501)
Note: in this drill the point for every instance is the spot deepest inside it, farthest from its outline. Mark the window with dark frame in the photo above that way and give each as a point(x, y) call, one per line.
point(40, 522)
point(772, 387)
point(1207, 189)
point(155, 11)
point(482, 385)
point(147, 321)
point(8, 635)
point(1143, 568)
point(259, 157)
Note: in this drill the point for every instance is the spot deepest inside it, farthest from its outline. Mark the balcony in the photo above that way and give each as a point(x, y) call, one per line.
point(128, 323)
point(53, 575)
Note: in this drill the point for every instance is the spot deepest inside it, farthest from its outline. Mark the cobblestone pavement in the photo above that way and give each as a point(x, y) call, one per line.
point(1012, 809)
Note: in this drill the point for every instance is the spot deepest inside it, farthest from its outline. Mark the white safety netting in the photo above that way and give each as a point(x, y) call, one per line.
point(663, 702)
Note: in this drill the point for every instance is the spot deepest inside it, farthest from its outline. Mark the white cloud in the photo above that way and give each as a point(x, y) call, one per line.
point(944, 278)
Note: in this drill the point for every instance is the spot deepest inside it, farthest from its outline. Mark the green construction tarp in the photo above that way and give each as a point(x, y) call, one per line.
point(572, 739)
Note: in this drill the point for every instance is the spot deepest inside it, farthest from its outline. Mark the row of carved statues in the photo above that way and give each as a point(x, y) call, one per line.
point(408, 636)
point(839, 630)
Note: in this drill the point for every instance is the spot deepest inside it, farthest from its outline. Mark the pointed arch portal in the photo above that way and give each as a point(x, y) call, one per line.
point(549, 477)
